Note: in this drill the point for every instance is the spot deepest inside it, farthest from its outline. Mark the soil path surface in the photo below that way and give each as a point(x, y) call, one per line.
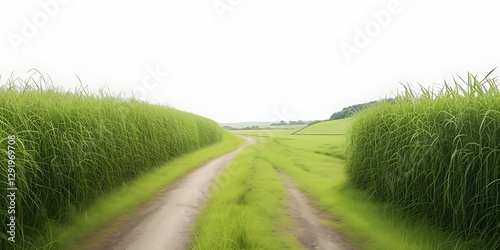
point(309, 229)
point(165, 222)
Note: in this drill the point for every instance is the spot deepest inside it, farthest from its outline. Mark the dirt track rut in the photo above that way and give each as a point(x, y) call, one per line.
point(165, 222)
point(309, 229)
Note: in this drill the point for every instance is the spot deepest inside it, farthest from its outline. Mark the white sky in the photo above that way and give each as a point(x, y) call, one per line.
point(263, 60)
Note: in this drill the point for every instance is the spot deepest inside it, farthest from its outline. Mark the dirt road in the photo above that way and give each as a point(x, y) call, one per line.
point(165, 222)
point(309, 229)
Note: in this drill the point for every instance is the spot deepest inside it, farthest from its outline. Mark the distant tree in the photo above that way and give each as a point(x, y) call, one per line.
point(254, 127)
point(295, 123)
point(348, 111)
point(280, 123)
point(299, 122)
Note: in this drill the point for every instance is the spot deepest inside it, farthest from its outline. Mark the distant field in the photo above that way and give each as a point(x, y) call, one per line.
point(288, 127)
point(336, 127)
point(250, 213)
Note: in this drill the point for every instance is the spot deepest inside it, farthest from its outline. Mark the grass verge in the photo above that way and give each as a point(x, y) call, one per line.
point(249, 211)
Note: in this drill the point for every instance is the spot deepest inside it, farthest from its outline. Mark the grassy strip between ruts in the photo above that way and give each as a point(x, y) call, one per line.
point(130, 196)
point(369, 224)
point(248, 211)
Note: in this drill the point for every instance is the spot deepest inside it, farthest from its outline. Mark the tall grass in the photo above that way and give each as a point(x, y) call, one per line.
point(436, 154)
point(73, 147)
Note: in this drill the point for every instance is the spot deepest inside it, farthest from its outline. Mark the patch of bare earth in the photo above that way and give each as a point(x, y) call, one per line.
point(308, 224)
point(165, 221)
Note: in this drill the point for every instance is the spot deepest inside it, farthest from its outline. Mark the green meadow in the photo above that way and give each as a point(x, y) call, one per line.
point(316, 162)
point(336, 127)
point(419, 172)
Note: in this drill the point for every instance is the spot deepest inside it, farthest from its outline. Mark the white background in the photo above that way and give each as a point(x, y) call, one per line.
point(249, 60)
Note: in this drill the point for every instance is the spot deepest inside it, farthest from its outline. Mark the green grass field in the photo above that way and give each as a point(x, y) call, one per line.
point(335, 127)
point(368, 223)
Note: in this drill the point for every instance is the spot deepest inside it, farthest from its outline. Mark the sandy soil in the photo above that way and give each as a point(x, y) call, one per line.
point(308, 226)
point(165, 222)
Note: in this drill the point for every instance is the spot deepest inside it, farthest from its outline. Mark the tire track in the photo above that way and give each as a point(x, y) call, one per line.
point(165, 221)
point(307, 221)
